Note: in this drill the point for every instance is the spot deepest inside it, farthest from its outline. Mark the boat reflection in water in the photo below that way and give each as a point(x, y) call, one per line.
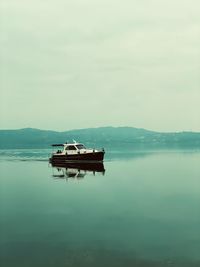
point(76, 170)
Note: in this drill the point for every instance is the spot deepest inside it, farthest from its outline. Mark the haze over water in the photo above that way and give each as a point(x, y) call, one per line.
point(144, 211)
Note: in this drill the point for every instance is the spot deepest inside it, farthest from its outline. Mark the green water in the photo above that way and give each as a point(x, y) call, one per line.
point(144, 211)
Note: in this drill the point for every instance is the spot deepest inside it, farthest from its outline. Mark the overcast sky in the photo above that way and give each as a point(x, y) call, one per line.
point(68, 64)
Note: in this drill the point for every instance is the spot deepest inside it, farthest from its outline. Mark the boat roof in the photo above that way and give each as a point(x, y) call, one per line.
point(67, 144)
point(57, 145)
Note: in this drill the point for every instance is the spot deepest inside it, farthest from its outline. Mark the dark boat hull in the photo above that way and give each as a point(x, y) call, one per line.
point(85, 157)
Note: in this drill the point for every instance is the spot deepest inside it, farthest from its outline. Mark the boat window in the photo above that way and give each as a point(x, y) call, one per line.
point(71, 148)
point(80, 146)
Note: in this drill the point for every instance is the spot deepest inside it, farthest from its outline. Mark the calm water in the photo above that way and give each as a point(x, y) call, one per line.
point(143, 211)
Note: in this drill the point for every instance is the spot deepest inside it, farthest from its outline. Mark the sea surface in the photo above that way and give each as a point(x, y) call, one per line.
point(140, 209)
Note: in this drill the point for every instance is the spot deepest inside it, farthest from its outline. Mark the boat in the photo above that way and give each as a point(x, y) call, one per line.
point(76, 152)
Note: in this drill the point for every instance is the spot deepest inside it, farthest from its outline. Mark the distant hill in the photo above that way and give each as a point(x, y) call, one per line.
point(107, 137)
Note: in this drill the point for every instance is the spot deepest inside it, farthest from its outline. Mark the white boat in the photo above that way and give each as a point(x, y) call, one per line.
point(76, 152)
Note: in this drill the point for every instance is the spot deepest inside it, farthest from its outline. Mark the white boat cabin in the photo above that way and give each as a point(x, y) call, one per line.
point(73, 148)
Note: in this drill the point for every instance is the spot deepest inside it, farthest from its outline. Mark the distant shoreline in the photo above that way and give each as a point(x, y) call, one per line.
point(121, 138)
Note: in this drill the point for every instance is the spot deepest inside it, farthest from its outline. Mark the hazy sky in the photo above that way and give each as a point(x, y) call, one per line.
point(69, 64)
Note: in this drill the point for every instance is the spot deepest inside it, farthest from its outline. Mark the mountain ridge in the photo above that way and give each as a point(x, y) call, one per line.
point(95, 128)
point(107, 136)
